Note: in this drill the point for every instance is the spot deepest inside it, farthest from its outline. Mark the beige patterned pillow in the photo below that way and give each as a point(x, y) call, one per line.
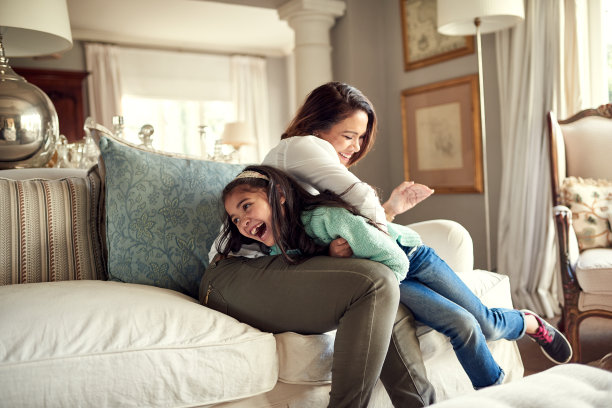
point(591, 204)
point(49, 230)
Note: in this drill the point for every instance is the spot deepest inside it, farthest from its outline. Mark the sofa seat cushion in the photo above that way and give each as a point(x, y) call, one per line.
point(305, 359)
point(103, 343)
point(594, 271)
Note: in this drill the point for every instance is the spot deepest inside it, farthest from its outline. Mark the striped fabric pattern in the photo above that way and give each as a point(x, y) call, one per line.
point(50, 230)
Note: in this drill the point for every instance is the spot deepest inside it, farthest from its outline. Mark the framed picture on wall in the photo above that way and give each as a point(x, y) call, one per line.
point(423, 45)
point(441, 130)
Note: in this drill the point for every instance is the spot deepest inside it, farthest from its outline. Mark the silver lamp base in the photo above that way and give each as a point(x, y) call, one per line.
point(28, 121)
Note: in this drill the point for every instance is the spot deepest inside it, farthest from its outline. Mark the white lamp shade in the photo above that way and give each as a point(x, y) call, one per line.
point(456, 17)
point(34, 27)
point(237, 134)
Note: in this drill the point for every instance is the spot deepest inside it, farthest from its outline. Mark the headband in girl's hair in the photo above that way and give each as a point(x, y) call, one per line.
point(251, 174)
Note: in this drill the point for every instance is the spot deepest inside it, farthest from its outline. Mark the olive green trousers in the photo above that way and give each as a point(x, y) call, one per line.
point(375, 335)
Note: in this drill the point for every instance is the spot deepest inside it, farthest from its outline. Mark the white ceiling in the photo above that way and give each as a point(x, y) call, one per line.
point(190, 25)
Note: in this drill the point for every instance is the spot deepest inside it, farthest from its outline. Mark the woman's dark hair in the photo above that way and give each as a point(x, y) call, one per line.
point(329, 104)
point(287, 228)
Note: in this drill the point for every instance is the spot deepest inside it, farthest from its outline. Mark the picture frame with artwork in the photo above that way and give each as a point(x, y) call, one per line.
point(422, 43)
point(441, 132)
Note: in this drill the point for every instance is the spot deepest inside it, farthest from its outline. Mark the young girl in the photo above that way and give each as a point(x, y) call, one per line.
point(265, 205)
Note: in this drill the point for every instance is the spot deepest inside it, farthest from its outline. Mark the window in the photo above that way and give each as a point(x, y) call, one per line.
point(181, 126)
point(186, 97)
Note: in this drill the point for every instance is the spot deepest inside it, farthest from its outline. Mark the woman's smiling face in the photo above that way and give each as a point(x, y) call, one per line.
point(250, 211)
point(347, 136)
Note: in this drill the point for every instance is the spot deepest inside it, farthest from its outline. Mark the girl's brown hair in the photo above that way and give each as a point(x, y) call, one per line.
point(329, 104)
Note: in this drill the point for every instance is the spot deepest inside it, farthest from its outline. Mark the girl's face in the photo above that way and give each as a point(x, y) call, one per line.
point(347, 136)
point(250, 211)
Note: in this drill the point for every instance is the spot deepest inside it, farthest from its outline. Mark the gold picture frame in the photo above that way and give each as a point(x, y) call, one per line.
point(422, 43)
point(442, 140)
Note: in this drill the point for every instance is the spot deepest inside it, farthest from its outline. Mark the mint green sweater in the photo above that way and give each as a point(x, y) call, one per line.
point(324, 224)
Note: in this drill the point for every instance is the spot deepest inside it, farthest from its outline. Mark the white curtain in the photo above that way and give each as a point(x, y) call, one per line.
point(526, 58)
point(582, 60)
point(540, 69)
point(250, 95)
point(103, 83)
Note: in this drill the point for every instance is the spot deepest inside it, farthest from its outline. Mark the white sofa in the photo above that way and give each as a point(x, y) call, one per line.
point(90, 342)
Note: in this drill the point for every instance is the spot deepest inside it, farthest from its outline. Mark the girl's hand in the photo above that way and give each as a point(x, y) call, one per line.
point(340, 248)
point(405, 196)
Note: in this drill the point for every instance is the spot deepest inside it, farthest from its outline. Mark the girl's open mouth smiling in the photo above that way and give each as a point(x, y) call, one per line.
point(259, 230)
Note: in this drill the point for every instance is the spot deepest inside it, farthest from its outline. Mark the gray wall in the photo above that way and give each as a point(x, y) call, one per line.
point(72, 60)
point(367, 53)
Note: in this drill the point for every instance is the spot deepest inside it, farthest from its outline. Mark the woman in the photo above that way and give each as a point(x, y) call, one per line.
point(375, 335)
point(266, 205)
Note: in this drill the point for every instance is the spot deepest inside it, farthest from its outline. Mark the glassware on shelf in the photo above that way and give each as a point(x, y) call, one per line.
point(90, 152)
point(118, 126)
point(69, 155)
point(146, 136)
point(61, 147)
point(82, 154)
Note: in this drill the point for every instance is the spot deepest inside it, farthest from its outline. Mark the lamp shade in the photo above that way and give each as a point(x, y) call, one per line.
point(34, 27)
point(457, 17)
point(237, 134)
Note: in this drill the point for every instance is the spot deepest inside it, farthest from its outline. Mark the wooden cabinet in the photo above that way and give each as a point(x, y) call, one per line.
point(66, 91)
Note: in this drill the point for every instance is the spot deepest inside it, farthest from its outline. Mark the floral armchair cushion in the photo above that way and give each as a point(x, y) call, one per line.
point(591, 204)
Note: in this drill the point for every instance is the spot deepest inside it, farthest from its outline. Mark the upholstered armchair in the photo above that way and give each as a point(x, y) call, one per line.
point(581, 170)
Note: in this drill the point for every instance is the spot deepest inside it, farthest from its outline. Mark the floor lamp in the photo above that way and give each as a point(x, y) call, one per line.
point(476, 17)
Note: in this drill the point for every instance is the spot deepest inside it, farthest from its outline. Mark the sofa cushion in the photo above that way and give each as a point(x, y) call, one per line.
point(112, 344)
point(594, 270)
point(563, 386)
point(591, 204)
point(50, 229)
point(162, 215)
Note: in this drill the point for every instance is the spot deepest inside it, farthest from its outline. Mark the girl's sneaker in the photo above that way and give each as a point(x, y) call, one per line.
point(553, 343)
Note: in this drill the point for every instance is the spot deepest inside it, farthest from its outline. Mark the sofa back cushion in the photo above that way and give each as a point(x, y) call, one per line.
point(162, 215)
point(49, 229)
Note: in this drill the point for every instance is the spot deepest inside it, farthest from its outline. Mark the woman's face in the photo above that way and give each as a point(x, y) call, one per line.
point(347, 136)
point(250, 211)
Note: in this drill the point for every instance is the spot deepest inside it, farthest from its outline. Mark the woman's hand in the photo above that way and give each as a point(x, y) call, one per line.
point(340, 248)
point(404, 197)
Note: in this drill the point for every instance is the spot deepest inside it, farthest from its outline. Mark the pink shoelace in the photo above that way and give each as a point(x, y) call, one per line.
point(542, 334)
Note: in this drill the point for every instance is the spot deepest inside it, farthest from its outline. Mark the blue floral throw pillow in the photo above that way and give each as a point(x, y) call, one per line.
point(162, 215)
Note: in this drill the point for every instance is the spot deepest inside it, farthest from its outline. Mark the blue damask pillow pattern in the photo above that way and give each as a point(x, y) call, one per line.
point(162, 215)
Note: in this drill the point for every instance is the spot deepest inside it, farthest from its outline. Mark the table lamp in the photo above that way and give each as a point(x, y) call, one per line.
point(28, 120)
point(469, 17)
point(236, 134)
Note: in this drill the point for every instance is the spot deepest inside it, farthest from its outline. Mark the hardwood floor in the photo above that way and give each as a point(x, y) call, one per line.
point(595, 336)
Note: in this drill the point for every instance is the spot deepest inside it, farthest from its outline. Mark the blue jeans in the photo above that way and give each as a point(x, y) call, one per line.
point(438, 298)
